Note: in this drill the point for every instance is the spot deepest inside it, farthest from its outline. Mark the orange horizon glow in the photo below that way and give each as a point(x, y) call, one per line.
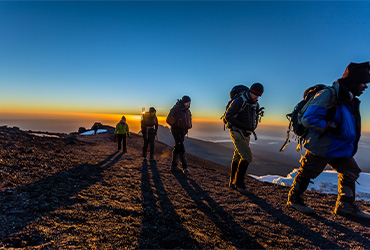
point(132, 119)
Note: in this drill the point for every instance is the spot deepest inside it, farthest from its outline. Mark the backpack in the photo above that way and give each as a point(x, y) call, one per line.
point(238, 91)
point(146, 120)
point(235, 92)
point(295, 117)
point(179, 118)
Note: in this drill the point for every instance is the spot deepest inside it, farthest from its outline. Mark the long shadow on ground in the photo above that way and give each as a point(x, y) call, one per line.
point(230, 229)
point(297, 228)
point(162, 227)
point(35, 200)
point(352, 235)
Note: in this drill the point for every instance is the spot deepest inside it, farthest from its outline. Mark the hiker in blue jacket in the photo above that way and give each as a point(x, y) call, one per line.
point(333, 141)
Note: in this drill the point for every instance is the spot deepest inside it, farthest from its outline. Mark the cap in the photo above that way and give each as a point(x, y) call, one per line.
point(256, 89)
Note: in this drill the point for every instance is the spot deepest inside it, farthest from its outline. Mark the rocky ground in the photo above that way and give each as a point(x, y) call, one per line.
point(80, 193)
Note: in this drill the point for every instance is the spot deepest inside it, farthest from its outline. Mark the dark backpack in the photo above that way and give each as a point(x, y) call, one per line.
point(146, 120)
point(295, 117)
point(235, 92)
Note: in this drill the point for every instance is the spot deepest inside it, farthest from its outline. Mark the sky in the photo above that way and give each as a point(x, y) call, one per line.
point(80, 59)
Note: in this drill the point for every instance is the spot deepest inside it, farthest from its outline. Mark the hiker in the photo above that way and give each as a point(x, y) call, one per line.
point(333, 141)
point(96, 127)
point(179, 119)
point(121, 132)
point(241, 118)
point(149, 128)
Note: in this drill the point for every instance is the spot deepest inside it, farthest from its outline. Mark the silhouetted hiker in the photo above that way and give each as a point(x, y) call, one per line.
point(121, 132)
point(149, 128)
point(179, 119)
point(96, 126)
point(241, 118)
point(334, 143)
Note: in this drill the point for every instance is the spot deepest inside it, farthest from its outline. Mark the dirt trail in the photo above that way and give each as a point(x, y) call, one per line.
point(80, 193)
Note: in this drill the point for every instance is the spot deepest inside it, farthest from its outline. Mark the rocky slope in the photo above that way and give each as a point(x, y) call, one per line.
point(79, 192)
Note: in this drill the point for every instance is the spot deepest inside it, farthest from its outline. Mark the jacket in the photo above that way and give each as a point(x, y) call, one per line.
point(245, 118)
point(180, 117)
point(339, 138)
point(121, 129)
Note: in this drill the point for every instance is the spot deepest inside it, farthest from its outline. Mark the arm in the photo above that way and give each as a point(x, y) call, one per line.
point(142, 124)
point(116, 130)
point(127, 130)
point(314, 117)
point(171, 119)
point(156, 124)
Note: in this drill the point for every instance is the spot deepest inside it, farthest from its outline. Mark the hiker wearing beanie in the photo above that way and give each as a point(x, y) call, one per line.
point(149, 128)
point(241, 117)
point(179, 119)
point(333, 141)
point(121, 133)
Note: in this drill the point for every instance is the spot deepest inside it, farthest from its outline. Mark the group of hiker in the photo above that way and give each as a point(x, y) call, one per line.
point(331, 122)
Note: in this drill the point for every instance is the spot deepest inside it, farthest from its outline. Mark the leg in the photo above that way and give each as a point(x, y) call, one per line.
point(184, 162)
point(124, 143)
point(175, 151)
point(119, 140)
point(311, 167)
point(234, 167)
point(145, 147)
point(151, 139)
point(348, 174)
point(242, 153)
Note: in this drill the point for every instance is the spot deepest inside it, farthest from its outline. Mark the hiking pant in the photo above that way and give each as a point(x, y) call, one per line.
point(179, 148)
point(242, 150)
point(241, 159)
point(312, 166)
point(149, 138)
point(121, 139)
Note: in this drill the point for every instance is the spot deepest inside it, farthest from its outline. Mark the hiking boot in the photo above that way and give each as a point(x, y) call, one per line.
point(232, 186)
point(300, 207)
point(240, 174)
point(243, 190)
point(233, 169)
point(350, 210)
point(185, 171)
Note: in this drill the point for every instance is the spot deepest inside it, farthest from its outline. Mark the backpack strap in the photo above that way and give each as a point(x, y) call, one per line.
point(332, 110)
point(245, 102)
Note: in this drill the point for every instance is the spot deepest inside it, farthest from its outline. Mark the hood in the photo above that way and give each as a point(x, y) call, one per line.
point(343, 94)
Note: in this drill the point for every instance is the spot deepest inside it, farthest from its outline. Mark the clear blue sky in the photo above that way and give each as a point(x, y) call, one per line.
point(115, 57)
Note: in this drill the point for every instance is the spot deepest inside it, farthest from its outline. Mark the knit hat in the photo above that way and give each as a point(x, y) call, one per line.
point(356, 73)
point(256, 89)
point(185, 99)
point(152, 110)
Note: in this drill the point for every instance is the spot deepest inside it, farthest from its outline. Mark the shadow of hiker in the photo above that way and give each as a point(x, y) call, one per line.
point(238, 237)
point(298, 228)
point(161, 226)
point(346, 231)
point(21, 206)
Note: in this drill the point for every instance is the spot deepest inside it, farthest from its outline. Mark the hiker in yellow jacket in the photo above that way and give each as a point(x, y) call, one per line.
point(121, 132)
